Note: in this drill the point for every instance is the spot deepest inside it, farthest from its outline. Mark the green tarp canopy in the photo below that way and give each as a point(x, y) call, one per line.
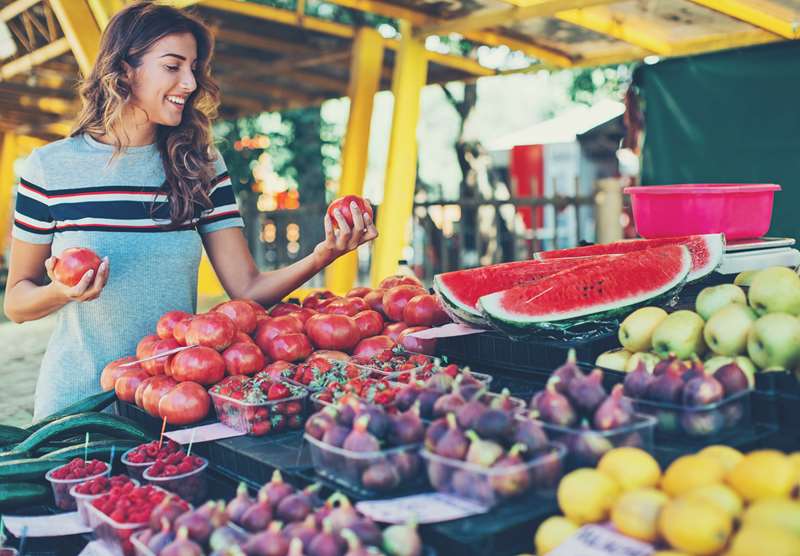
point(730, 117)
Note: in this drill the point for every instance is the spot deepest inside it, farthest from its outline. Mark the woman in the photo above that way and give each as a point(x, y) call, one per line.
point(140, 183)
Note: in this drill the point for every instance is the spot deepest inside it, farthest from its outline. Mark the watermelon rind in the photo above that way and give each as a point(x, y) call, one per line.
point(715, 245)
point(457, 311)
point(518, 323)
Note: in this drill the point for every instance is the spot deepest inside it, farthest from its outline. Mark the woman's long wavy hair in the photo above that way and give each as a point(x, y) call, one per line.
point(186, 149)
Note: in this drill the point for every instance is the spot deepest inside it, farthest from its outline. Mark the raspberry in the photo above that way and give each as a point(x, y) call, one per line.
point(184, 467)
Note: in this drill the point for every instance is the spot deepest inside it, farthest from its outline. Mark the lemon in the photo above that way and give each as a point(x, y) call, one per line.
point(777, 512)
point(631, 468)
point(726, 455)
point(552, 532)
point(694, 526)
point(763, 474)
point(635, 513)
point(761, 539)
point(721, 496)
point(795, 459)
point(586, 495)
point(690, 472)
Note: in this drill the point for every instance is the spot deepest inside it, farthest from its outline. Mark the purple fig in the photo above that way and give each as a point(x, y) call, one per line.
point(427, 399)
point(468, 414)
point(295, 548)
point(671, 362)
point(439, 475)
point(304, 530)
point(567, 372)
point(326, 542)
point(402, 540)
point(407, 395)
point(702, 391)
point(157, 542)
point(448, 403)
point(637, 381)
point(482, 452)
point(494, 424)
point(463, 483)
point(434, 433)
point(732, 378)
point(182, 545)
point(354, 544)
point(668, 386)
point(406, 428)
point(546, 472)
point(346, 413)
point(224, 537)
point(319, 423)
point(586, 392)
point(336, 435)
point(342, 514)
point(530, 433)
point(277, 489)
point(702, 423)
point(614, 412)
point(452, 444)
point(380, 477)
point(695, 370)
point(259, 515)
point(587, 446)
point(441, 382)
point(504, 401)
point(555, 408)
point(466, 377)
point(514, 478)
point(171, 507)
point(406, 463)
point(297, 506)
point(197, 522)
point(471, 390)
point(366, 530)
point(241, 502)
point(379, 423)
point(359, 439)
point(271, 542)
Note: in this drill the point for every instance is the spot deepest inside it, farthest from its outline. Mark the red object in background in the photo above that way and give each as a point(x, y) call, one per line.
point(526, 169)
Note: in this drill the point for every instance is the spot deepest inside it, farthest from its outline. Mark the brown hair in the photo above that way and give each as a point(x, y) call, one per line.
point(186, 149)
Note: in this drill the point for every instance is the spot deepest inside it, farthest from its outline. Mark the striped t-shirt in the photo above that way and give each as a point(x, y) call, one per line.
point(72, 194)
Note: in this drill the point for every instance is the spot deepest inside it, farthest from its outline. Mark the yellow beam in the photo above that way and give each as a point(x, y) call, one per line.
point(8, 154)
point(600, 20)
point(467, 65)
point(365, 79)
point(59, 128)
point(714, 43)
point(410, 73)
point(80, 29)
point(15, 8)
point(38, 56)
point(747, 12)
point(52, 105)
point(104, 9)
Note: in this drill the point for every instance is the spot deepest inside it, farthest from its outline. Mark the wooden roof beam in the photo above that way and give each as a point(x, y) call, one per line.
point(14, 9)
point(751, 14)
point(259, 42)
point(38, 56)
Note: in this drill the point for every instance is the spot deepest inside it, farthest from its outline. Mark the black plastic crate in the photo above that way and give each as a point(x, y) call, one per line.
point(743, 439)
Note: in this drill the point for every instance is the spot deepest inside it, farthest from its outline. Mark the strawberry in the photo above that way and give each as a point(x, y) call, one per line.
point(278, 391)
point(261, 428)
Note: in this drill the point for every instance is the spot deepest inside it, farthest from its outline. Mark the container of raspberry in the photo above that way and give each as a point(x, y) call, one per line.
point(85, 492)
point(141, 457)
point(77, 471)
point(184, 475)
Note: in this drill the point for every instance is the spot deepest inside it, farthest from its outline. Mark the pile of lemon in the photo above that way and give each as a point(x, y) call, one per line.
point(717, 501)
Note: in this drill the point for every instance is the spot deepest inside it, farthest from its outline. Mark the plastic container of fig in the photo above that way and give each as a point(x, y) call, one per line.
point(62, 495)
point(140, 548)
point(703, 422)
point(259, 419)
point(85, 500)
point(191, 486)
point(586, 446)
point(368, 474)
point(490, 486)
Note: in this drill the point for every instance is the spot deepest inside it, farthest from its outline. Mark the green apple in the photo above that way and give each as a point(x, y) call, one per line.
point(650, 361)
point(614, 359)
point(745, 278)
point(726, 331)
point(749, 368)
point(775, 290)
point(744, 363)
point(680, 333)
point(636, 331)
point(774, 341)
point(715, 298)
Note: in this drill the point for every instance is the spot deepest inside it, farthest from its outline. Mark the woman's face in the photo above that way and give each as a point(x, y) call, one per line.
point(165, 79)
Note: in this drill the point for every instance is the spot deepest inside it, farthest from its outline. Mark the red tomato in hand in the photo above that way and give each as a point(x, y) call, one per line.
point(338, 332)
point(244, 358)
point(345, 306)
point(369, 322)
point(73, 263)
point(214, 330)
point(187, 403)
point(272, 328)
point(241, 313)
point(395, 299)
point(398, 280)
point(113, 371)
point(369, 347)
point(393, 330)
point(424, 310)
point(417, 345)
point(128, 382)
point(158, 366)
point(199, 364)
point(290, 347)
point(155, 390)
point(343, 204)
point(166, 324)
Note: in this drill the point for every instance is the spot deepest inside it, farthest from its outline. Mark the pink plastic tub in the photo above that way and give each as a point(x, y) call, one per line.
point(740, 211)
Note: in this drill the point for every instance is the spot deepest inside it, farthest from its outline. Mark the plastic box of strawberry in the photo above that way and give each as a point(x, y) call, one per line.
point(259, 406)
point(320, 374)
point(85, 492)
point(371, 390)
point(115, 516)
point(403, 366)
point(63, 478)
point(141, 457)
point(180, 473)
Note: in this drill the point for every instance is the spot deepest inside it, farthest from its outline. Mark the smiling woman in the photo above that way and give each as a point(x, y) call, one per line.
point(139, 183)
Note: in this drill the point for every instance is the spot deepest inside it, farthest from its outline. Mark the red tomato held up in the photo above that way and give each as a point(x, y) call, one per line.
point(166, 324)
point(313, 299)
point(393, 330)
point(73, 263)
point(113, 371)
point(358, 292)
point(243, 358)
point(398, 280)
point(200, 364)
point(369, 322)
point(338, 332)
point(214, 330)
point(241, 313)
point(417, 345)
point(128, 382)
point(395, 299)
point(269, 330)
point(158, 366)
point(290, 347)
point(145, 345)
point(343, 204)
point(424, 310)
point(155, 390)
point(185, 404)
point(369, 347)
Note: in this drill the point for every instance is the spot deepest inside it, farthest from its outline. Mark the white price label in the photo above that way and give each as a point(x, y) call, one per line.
point(596, 540)
point(432, 507)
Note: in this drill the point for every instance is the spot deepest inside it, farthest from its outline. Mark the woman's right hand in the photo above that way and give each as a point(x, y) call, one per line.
point(87, 289)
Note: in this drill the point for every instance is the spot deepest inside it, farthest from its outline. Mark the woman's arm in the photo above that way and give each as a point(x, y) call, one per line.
point(230, 256)
point(27, 298)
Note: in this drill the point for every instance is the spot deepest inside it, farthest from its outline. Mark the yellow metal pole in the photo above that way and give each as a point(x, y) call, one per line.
point(410, 73)
point(366, 64)
point(80, 29)
point(8, 154)
point(104, 9)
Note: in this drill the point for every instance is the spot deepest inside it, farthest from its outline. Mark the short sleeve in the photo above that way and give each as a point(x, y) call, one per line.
point(32, 219)
point(225, 213)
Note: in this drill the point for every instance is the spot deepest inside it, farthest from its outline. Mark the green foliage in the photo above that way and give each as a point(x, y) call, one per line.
point(607, 82)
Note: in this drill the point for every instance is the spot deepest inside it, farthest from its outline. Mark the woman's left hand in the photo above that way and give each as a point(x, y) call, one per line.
point(344, 239)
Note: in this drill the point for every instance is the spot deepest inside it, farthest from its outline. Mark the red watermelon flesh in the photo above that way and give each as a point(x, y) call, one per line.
point(596, 287)
point(707, 250)
point(460, 290)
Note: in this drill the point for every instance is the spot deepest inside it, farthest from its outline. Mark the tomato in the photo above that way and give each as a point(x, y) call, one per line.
point(290, 347)
point(313, 300)
point(180, 328)
point(242, 337)
point(269, 330)
point(417, 345)
point(369, 322)
point(395, 299)
point(304, 314)
point(393, 330)
point(276, 369)
point(398, 280)
point(166, 324)
point(241, 313)
point(113, 371)
point(139, 394)
point(424, 310)
point(358, 292)
point(73, 263)
point(345, 306)
point(145, 345)
point(338, 332)
point(243, 358)
point(199, 364)
point(157, 366)
point(257, 307)
point(214, 330)
point(375, 300)
point(155, 390)
point(283, 309)
point(128, 382)
point(343, 204)
point(328, 355)
point(187, 403)
point(373, 346)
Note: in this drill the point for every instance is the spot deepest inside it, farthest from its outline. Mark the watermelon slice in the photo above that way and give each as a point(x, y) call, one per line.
point(460, 290)
point(707, 250)
point(608, 287)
